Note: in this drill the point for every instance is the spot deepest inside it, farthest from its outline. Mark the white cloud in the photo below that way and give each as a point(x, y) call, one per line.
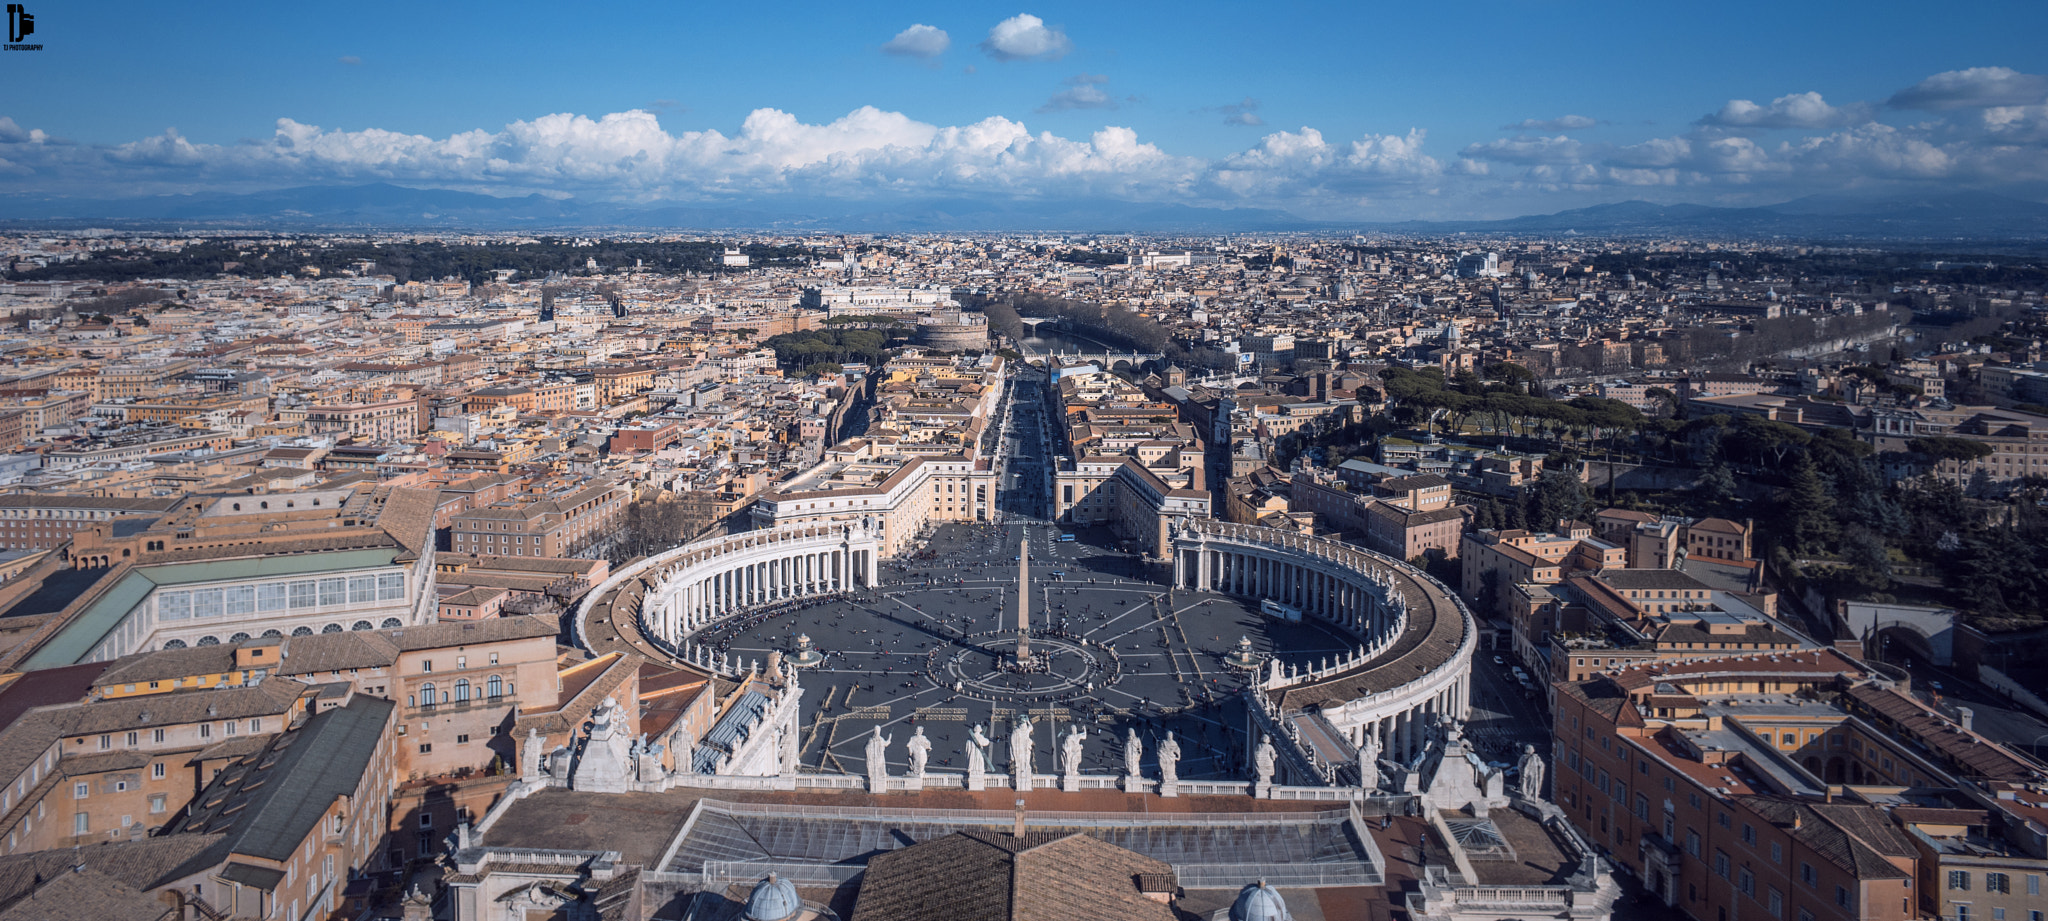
point(1084, 91)
point(1559, 149)
point(11, 133)
point(1977, 87)
point(919, 41)
point(1563, 123)
point(1025, 37)
point(1798, 111)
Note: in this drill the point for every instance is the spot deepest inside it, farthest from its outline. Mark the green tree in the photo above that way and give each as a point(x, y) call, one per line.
point(1809, 510)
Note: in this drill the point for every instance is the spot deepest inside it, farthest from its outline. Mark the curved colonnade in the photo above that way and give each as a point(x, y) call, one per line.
point(693, 586)
point(1417, 638)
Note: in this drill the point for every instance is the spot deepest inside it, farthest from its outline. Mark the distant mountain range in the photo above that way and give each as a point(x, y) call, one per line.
point(1946, 216)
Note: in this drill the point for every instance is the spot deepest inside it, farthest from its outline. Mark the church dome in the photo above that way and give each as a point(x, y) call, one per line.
point(774, 899)
point(1259, 903)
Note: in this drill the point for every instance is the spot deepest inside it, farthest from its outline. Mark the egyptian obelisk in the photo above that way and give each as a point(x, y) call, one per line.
point(1024, 601)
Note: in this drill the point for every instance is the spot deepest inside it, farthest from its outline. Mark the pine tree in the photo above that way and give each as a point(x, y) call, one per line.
point(1810, 510)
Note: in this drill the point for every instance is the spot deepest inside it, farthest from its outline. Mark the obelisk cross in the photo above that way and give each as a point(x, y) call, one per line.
point(1024, 601)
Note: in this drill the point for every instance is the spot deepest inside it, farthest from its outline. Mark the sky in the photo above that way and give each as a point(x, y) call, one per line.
point(1356, 111)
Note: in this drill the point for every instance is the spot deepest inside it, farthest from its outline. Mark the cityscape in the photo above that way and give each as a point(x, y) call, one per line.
point(643, 518)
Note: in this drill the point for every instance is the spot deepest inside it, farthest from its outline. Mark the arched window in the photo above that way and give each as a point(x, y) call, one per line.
point(209, 641)
point(495, 687)
point(361, 625)
point(174, 644)
point(271, 633)
point(427, 698)
point(390, 622)
point(238, 637)
point(331, 628)
point(462, 690)
point(302, 631)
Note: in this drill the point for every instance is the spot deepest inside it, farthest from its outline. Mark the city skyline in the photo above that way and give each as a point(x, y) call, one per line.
point(1326, 113)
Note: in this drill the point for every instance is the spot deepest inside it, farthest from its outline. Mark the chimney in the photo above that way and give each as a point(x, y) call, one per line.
point(1017, 829)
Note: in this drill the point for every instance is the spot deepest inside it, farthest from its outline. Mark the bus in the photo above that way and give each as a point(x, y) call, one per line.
point(1275, 609)
point(1066, 538)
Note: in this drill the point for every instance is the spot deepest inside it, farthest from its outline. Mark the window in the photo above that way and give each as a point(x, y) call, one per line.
point(271, 596)
point(1806, 874)
point(427, 695)
point(462, 690)
point(1692, 842)
point(239, 601)
point(156, 735)
point(1749, 834)
point(494, 658)
point(157, 804)
point(1842, 896)
point(206, 603)
point(1776, 903)
point(305, 594)
point(462, 738)
point(131, 739)
point(494, 687)
point(81, 823)
point(156, 771)
point(362, 589)
point(1997, 882)
point(1777, 852)
point(174, 606)
point(391, 586)
point(81, 790)
point(1721, 864)
point(461, 662)
point(1959, 880)
point(426, 748)
point(1746, 881)
point(2033, 885)
point(1723, 819)
point(333, 592)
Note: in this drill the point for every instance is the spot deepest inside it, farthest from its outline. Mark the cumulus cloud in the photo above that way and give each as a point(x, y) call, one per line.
point(1562, 123)
point(1025, 37)
point(1805, 111)
point(871, 153)
point(919, 41)
point(1977, 87)
point(11, 133)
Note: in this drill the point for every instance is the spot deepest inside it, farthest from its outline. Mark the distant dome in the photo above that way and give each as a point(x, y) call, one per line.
point(775, 899)
point(1259, 903)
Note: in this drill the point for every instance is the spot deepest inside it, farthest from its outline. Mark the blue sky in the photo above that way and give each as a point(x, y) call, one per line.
point(1339, 111)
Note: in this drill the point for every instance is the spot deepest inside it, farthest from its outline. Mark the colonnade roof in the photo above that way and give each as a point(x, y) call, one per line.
point(1435, 631)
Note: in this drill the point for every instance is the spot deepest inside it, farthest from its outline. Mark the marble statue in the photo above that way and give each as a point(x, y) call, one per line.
point(1020, 746)
point(1169, 757)
point(775, 666)
point(1070, 750)
point(1369, 763)
point(878, 752)
point(529, 756)
point(1133, 751)
point(920, 749)
point(1263, 759)
point(977, 753)
point(1532, 773)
